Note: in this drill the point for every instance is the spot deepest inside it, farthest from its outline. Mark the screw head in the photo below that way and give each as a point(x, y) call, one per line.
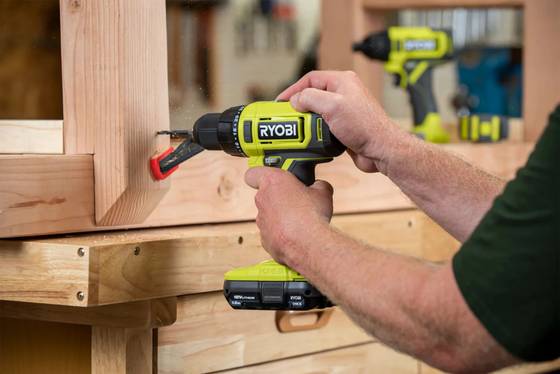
point(80, 295)
point(136, 251)
point(81, 252)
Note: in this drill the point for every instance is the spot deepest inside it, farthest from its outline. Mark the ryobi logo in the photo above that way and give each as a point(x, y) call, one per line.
point(420, 45)
point(278, 130)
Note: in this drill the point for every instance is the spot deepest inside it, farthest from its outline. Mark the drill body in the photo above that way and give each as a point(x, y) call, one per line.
point(270, 134)
point(410, 54)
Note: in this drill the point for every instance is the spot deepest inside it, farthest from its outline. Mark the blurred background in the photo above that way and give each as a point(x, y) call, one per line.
point(223, 53)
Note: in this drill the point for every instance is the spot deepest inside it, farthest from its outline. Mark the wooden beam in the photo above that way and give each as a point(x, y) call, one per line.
point(114, 68)
point(127, 266)
point(121, 351)
point(31, 136)
point(49, 194)
point(352, 24)
point(541, 79)
point(402, 4)
point(45, 194)
point(140, 314)
point(363, 358)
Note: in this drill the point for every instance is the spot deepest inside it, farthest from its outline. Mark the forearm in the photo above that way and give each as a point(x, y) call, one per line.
point(451, 191)
point(411, 305)
point(377, 288)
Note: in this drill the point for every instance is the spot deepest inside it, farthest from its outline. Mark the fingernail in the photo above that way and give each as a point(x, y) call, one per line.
point(295, 98)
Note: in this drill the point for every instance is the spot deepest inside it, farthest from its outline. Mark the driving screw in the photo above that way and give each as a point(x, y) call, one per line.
point(80, 295)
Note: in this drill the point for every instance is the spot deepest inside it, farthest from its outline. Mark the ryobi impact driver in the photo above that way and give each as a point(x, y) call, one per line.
point(270, 134)
point(411, 53)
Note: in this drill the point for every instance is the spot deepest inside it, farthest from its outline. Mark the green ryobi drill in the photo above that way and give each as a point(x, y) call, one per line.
point(270, 134)
point(411, 53)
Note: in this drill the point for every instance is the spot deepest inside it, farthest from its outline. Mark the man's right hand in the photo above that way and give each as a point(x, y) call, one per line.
point(352, 114)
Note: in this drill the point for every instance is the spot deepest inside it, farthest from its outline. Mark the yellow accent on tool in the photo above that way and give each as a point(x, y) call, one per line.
point(483, 128)
point(410, 54)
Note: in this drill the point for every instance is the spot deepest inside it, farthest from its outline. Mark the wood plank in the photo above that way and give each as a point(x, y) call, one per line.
point(210, 336)
point(401, 4)
point(31, 136)
point(45, 194)
point(44, 347)
point(140, 314)
point(207, 189)
point(114, 67)
point(540, 69)
point(153, 263)
point(335, 47)
point(118, 350)
point(366, 358)
point(52, 274)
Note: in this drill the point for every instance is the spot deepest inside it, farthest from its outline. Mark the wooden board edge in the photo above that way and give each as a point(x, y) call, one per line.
point(31, 137)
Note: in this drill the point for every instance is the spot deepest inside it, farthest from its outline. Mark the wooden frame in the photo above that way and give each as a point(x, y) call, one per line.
point(115, 99)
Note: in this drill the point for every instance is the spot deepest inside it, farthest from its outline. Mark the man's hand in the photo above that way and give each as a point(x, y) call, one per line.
point(288, 211)
point(353, 115)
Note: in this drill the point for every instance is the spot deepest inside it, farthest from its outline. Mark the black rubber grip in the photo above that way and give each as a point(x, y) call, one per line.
point(305, 170)
point(422, 97)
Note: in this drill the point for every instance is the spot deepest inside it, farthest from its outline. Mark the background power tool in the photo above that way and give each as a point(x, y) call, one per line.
point(483, 128)
point(411, 53)
point(269, 134)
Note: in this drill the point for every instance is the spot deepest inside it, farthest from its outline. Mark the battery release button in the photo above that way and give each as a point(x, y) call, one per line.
point(272, 292)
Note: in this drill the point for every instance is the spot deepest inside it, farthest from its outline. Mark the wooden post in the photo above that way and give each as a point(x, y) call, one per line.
point(121, 351)
point(541, 86)
point(342, 24)
point(114, 70)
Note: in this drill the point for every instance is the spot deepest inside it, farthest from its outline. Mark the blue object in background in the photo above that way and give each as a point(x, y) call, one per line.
point(493, 79)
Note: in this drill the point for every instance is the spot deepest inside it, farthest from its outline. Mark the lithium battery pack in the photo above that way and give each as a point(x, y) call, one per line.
point(271, 286)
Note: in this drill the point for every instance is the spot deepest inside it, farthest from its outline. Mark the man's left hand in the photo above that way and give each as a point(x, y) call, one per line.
point(289, 212)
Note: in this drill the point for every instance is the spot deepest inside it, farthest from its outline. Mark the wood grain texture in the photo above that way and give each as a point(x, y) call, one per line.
point(401, 4)
point(210, 336)
point(353, 23)
point(365, 358)
point(208, 189)
point(114, 66)
point(118, 350)
point(27, 136)
point(153, 263)
point(45, 194)
point(108, 350)
point(540, 68)
point(52, 274)
point(29, 347)
point(140, 314)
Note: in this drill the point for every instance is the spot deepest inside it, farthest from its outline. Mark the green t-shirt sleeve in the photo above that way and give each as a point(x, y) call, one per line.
point(509, 269)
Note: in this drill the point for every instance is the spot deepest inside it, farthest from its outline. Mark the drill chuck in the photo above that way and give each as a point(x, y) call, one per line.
point(205, 131)
point(376, 46)
point(218, 131)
